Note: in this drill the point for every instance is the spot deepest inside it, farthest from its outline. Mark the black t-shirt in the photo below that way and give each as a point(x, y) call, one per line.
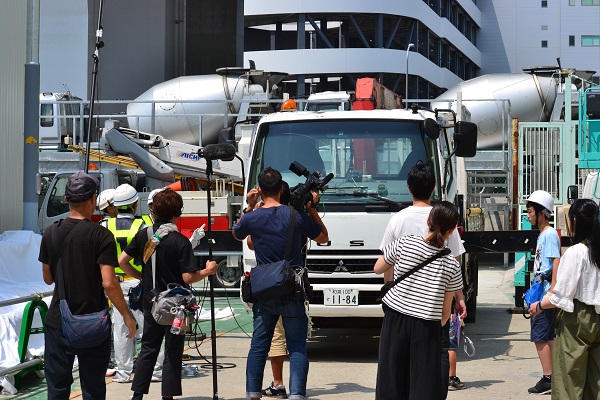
point(174, 255)
point(91, 246)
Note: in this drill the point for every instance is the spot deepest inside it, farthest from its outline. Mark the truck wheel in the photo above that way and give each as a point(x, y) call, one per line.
point(228, 277)
point(471, 303)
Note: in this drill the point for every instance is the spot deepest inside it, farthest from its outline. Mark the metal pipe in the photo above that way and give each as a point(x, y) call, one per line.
point(406, 88)
point(20, 366)
point(24, 299)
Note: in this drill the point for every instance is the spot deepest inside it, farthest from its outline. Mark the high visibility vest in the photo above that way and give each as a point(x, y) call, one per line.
point(123, 237)
point(147, 220)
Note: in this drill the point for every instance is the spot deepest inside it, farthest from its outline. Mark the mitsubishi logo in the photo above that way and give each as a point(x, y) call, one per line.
point(341, 267)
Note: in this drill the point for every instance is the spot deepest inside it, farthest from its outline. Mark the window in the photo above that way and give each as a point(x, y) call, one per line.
point(46, 116)
point(544, 43)
point(544, 27)
point(590, 2)
point(571, 40)
point(544, 3)
point(571, 2)
point(590, 40)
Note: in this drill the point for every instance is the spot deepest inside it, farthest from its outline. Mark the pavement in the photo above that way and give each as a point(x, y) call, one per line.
point(343, 363)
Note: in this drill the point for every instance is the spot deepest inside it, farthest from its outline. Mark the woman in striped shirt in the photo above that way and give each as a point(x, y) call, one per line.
point(409, 348)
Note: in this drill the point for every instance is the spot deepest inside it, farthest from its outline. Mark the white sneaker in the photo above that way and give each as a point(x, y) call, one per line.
point(111, 371)
point(156, 379)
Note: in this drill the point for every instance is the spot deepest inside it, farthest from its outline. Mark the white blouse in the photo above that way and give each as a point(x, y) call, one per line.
point(577, 278)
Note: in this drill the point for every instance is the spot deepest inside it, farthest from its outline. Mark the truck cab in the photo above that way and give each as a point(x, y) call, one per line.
point(369, 154)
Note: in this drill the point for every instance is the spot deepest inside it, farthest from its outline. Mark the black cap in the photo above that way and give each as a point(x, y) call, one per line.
point(81, 187)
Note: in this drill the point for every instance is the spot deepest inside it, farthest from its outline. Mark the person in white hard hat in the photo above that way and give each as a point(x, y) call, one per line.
point(105, 205)
point(540, 206)
point(124, 227)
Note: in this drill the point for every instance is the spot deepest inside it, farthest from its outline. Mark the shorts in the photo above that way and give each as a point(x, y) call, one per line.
point(278, 346)
point(543, 326)
point(453, 338)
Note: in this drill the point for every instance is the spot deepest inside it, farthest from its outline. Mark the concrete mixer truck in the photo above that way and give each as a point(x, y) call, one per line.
point(370, 152)
point(170, 126)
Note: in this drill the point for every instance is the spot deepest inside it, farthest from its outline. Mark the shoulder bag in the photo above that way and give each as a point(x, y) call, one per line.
point(390, 284)
point(275, 280)
point(165, 304)
point(85, 330)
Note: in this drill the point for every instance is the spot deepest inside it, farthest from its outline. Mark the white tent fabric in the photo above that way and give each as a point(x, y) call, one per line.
point(20, 275)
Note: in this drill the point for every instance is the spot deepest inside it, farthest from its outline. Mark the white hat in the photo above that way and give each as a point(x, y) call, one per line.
point(152, 194)
point(125, 194)
point(542, 198)
point(105, 199)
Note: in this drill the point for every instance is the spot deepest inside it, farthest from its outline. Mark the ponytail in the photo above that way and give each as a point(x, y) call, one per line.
point(442, 218)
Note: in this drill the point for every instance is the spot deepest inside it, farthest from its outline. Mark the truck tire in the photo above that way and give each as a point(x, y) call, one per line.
point(471, 301)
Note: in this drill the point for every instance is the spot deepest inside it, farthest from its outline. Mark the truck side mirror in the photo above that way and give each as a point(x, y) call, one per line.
point(227, 135)
point(465, 139)
point(431, 128)
point(572, 194)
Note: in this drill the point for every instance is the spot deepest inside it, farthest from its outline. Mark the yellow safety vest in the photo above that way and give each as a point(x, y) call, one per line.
point(147, 220)
point(123, 237)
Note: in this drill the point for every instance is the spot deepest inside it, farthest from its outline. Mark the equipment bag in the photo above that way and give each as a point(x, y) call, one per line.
point(277, 279)
point(85, 330)
point(135, 296)
point(166, 303)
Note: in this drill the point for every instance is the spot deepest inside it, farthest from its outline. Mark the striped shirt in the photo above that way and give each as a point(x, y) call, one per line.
point(420, 295)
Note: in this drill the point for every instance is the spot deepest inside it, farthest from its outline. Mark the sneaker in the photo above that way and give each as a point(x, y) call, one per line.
point(544, 386)
point(454, 383)
point(278, 391)
point(111, 369)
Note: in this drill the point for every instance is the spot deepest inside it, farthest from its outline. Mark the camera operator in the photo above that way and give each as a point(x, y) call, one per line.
point(268, 226)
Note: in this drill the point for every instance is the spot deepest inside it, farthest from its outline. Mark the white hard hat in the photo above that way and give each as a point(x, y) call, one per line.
point(542, 198)
point(152, 194)
point(125, 194)
point(105, 199)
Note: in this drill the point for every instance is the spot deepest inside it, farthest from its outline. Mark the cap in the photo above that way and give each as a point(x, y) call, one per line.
point(152, 194)
point(81, 187)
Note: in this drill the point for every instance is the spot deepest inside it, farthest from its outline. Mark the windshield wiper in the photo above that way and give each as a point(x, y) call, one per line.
point(362, 193)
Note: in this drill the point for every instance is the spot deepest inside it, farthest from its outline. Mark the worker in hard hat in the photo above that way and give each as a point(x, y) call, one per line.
point(105, 205)
point(124, 227)
point(148, 219)
point(540, 206)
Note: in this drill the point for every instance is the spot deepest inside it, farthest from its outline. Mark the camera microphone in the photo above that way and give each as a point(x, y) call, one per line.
point(327, 178)
point(221, 151)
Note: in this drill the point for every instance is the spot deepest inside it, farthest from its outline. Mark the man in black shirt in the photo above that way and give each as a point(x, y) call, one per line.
point(88, 266)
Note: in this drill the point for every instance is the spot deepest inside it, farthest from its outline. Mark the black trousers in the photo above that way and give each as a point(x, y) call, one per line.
point(445, 370)
point(152, 338)
point(409, 358)
point(58, 367)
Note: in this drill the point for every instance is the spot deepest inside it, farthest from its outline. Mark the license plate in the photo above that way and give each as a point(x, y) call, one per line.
point(340, 297)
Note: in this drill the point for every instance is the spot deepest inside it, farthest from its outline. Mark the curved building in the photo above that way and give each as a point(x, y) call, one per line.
point(326, 45)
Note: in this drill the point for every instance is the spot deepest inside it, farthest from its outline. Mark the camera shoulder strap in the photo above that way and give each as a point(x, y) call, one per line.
point(291, 230)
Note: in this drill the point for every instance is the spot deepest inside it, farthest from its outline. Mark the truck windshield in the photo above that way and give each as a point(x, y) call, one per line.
point(369, 159)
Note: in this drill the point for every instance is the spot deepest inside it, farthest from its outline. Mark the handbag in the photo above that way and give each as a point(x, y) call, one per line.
point(390, 284)
point(85, 330)
point(535, 292)
point(165, 304)
point(277, 279)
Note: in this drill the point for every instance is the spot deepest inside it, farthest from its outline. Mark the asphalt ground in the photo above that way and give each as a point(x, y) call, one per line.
point(343, 363)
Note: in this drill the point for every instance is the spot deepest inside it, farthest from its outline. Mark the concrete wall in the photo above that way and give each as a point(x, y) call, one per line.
point(13, 27)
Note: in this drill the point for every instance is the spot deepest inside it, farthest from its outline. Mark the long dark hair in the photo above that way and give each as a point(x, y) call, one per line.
point(442, 218)
point(583, 216)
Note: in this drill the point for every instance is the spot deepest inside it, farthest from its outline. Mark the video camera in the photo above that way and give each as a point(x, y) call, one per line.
point(301, 193)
